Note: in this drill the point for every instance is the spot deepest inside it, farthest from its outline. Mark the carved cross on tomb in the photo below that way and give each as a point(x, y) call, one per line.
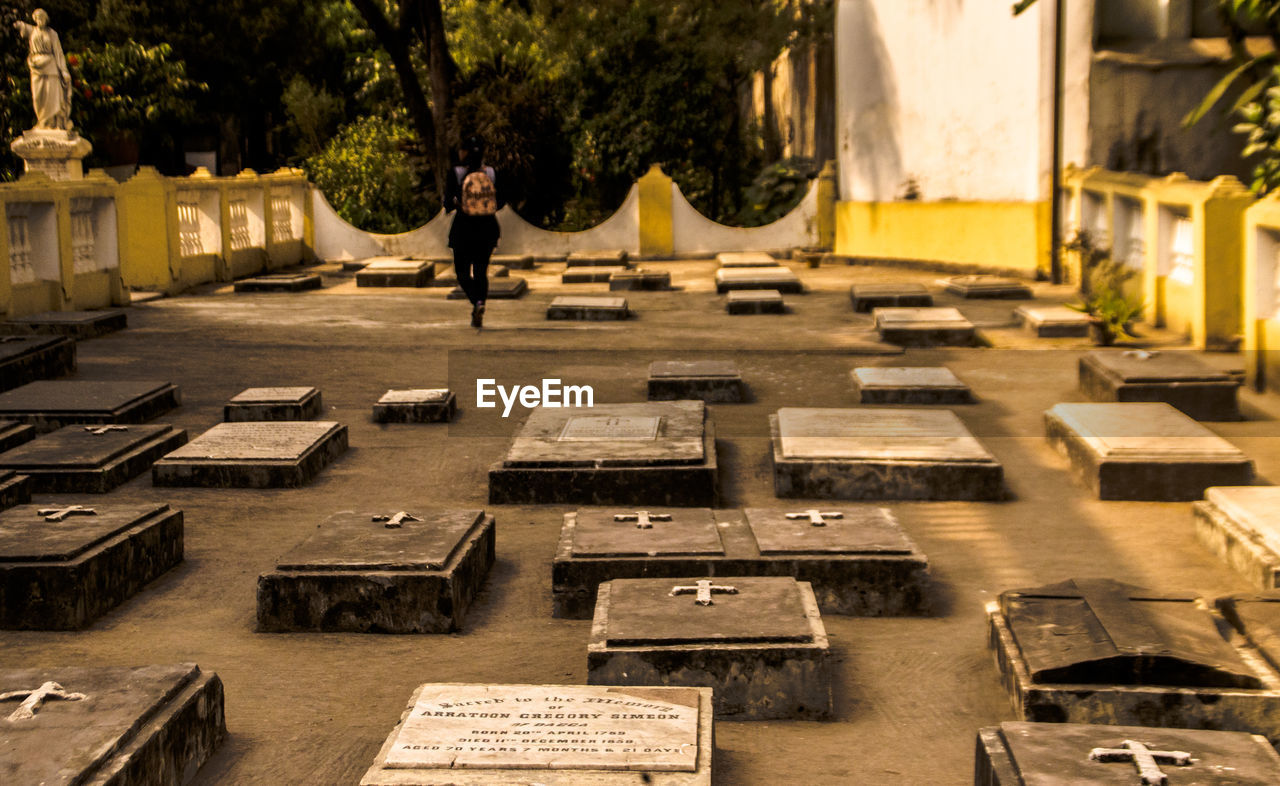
point(104, 429)
point(9, 339)
point(816, 518)
point(60, 514)
point(397, 520)
point(643, 518)
point(1146, 760)
point(32, 699)
point(704, 590)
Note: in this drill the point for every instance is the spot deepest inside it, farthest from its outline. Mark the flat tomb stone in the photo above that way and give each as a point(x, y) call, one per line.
point(91, 459)
point(867, 297)
point(392, 571)
point(1241, 524)
point(110, 725)
point(779, 278)
point(924, 327)
point(396, 273)
point(755, 301)
point(858, 561)
point(279, 282)
point(15, 489)
point(705, 380)
point(1175, 377)
point(880, 454)
point(1144, 451)
point(986, 286)
point(909, 385)
point(24, 359)
point(449, 278)
point(1053, 321)
point(73, 324)
point(514, 261)
point(553, 735)
point(640, 280)
point(13, 434)
point(657, 452)
point(745, 259)
point(1040, 754)
point(49, 404)
point(286, 403)
point(1257, 618)
point(757, 642)
point(588, 308)
point(253, 455)
point(613, 257)
point(509, 288)
point(590, 274)
point(1099, 651)
point(421, 405)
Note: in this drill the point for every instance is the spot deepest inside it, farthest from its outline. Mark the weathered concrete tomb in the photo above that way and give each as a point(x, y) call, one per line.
point(1174, 377)
point(509, 288)
point(659, 452)
point(1027, 754)
point(13, 434)
point(868, 297)
point(25, 359)
point(15, 489)
point(1257, 618)
point(640, 280)
point(396, 273)
point(449, 277)
point(431, 405)
point(1099, 651)
point(880, 454)
point(745, 259)
point(755, 301)
point(552, 735)
point(287, 403)
point(775, 277)
point(986, 286)
point(50, 404)
point(590, 274)
point(588, 308)
point(514, 261)
point(279, 282)
point(705, 380)
point(1241, 524)
point(857, 559)
point(1053, 321)
point(132, 726)
point(408, 571)
point(757, 642)
point(1144, 451)
point(924, 327)
point(253, 455)
point(909, 385)
point(64, 565)
point(73, 324)
point(91, 459)
point(612, 257)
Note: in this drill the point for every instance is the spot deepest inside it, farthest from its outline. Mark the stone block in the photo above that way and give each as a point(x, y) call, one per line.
point(288, 403)
point(757, 642)
point(50, 404)
point(985, 286)
point(924, 327)
point(396, 273)
point(868, 297)
point(13, 434)
point(25, 359)
point(279, 282)
point(15, 489)
point(62, 566)
point(91, 459)
point(745, 259)
point(411, 571)
point(449, 278)
point(416, 406)
point(509, 288)
point(778, 278)
point(755, 301)
point(1053, 321)
point(514, 261)
point(550, 735)
point(253, 455)
point(705, 380)
point(614, 257)
point(588, 308)
point(1175, 377)
point(880, 454)
point(909, 385)
point(1241, 525)
point(590, 274)
point(1144, 451)
point(640, 280)
point(72, 324)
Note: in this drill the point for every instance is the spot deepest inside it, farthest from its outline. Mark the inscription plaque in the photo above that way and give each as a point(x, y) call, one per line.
point(258, 395)
point(415, 396)
point(610, 428)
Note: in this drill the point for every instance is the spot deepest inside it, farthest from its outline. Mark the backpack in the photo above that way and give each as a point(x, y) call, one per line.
point(479, 196)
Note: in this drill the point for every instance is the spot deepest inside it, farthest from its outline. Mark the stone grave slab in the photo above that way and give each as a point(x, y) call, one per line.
point(924, 327)
point(612, 257)
point(1241, 524)
point(508, 288)
point(49, 404)
point(1144, 451)
point(745, 259)
point(986, 286)
point(779, 278)
point(354, 265)
point(422, 405)
point(24, 359)
point(514, 261)
point(396, 273)
point(1257, 618)
point(449, 278)
point(880, 454)
point(281, 403)
point(1053, 321)
point(279, 282)
point(1099, 651)
point(658, 452)
point(588, 308)
point(909, 385)
point(73, 324)
point(755, 301)
point(858, 561)
point(867, 297)
point(91, 459)
point(757, 642)
point(253, 455)
point(395, 571)
point(13, 434)
point(64, 565)
point(1175, 377)
point(705, 380)
point(590, 274)
point(641, 280)
point(109, 725)
point(551, 735)
point(15, 489)
point(1046, 754)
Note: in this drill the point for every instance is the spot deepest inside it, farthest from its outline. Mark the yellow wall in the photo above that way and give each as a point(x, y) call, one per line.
point(657, 233)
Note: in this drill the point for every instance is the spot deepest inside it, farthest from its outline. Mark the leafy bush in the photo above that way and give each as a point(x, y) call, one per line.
point(1102, 289)
point(776, 191)
point(369, 177)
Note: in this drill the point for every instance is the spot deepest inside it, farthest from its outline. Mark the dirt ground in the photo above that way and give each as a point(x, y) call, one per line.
point(910, 693)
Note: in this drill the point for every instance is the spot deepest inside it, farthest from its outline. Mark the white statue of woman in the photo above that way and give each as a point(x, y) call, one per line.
point(50, 81)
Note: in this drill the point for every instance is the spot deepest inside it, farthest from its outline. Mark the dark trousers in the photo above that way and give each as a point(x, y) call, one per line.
point(472, 267)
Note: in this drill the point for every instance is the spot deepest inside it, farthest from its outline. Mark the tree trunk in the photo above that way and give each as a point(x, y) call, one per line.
point(441, 68)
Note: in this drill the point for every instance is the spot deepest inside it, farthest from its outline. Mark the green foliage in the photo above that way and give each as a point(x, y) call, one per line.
point(1103, 289)
point(127, 87)
point(776, 191)
point(311, 115)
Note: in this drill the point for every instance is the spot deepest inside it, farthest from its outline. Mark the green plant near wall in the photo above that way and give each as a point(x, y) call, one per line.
point(1102, 290)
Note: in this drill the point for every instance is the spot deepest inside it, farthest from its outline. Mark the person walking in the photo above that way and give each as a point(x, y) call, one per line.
point(472, 192)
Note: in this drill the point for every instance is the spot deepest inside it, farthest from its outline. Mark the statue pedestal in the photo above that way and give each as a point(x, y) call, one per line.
point(54, 152)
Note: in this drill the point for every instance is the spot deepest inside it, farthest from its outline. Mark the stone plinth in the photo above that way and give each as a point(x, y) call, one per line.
point(588, 308)
point(705, 380)
point(984, 286)
point(129, 726)
point(416, 406)
point(91, 459)
point(614, 257)
point(909, 385)
point(640, 281)
point(755, 301)
point(745, 259)
point(1144, 451)
point(509, 288)
point(590, 274)
point(253, 455)
point(778, 277)
point(660, 452)
point(761, 647)
point(13, 434)
point(868, 297)
point(288, 403)
point(880, 454)
point(396, 273)
point(73, 324)
point(1175, 377)
point(1241, 524)
point(924, 327)
point(393, 571)
point(50, 404)
point(63, 565)
point(1053, 321)
point(25, 359)
point(15, 489)
point(551, 735)
point(53, 152)
point(279, 282)
point(514, 261)
point(858, 562)
point(449, 278)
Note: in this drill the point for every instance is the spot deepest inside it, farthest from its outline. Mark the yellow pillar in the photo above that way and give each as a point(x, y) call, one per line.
point(1221, 245)
point(827, 205)
point(148, 244)
point(657, 236)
